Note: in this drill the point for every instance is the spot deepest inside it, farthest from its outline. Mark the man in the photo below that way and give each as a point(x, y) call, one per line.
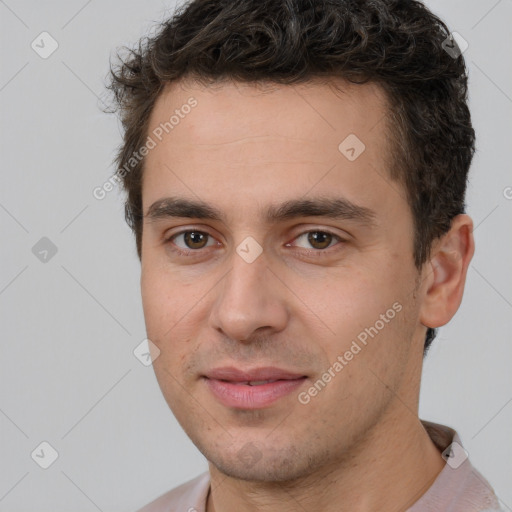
point(296, 173)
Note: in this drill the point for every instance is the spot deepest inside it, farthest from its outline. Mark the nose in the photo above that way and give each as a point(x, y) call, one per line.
point(249, 299)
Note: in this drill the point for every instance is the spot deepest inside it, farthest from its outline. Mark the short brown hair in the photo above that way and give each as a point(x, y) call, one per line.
point(398, 44)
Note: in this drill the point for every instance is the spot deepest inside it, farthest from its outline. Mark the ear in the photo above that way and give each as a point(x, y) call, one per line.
point(444, 275)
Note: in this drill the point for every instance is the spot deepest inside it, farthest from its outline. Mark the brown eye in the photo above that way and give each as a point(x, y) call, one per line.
point(195, 239)
point(319, 239)
point(316, 239)
point(191, 240)
point(318, 242)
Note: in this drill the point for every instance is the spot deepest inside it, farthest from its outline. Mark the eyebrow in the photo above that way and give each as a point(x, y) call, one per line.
point(329, 207)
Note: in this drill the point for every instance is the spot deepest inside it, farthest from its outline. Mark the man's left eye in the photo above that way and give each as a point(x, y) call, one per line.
point(318, 239)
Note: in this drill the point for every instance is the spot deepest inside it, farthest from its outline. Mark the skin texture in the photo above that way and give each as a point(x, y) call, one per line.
point(358, 444)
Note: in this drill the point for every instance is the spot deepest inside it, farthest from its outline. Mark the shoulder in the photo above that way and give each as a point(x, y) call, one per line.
point(477, 492)
point(187, 497)
point(459, 487)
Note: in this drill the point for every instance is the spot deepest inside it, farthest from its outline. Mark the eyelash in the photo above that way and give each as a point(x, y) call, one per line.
point(197, 252)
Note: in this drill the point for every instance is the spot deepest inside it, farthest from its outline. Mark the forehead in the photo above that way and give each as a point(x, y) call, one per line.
point(310, 109)
point(266, 139)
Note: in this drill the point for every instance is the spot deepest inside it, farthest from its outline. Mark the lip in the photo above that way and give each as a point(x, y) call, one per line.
point(229, 385)
point(232, 374)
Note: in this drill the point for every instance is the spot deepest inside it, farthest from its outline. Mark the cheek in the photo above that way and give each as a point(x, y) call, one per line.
point(170, 310)
point(365, 306)
point(164, 298)
point(163, 310)
point(348, 300)
point(153, 302)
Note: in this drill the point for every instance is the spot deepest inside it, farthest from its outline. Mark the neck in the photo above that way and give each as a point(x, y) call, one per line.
point(389, 470)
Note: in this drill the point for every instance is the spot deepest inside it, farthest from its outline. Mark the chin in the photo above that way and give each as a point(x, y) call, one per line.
point(271, 465)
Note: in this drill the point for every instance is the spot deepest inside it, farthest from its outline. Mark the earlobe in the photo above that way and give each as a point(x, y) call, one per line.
point(445, 275)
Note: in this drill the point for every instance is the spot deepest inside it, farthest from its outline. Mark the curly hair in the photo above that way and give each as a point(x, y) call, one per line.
point(398, 44)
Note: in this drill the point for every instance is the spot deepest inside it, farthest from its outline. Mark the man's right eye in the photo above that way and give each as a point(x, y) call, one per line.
point(189, 241)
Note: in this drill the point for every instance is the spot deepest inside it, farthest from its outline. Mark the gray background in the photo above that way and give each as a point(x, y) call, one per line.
point(70, 324)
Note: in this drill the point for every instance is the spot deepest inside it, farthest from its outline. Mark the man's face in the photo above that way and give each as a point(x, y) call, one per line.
point(296, 293)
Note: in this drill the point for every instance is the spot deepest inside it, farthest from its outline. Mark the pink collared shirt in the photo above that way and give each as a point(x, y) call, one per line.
point(458, 488)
